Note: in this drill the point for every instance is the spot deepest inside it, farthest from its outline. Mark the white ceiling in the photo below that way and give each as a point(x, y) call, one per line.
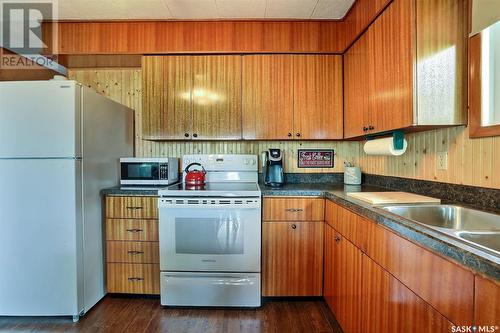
point(202, 9)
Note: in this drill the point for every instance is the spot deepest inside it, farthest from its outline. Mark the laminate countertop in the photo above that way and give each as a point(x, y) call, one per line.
point(470, 257)
point(447, 246)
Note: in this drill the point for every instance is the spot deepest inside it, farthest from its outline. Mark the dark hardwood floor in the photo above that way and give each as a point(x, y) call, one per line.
point(124, 314)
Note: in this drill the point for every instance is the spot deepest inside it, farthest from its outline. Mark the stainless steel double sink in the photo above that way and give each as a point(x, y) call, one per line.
point(473, 227)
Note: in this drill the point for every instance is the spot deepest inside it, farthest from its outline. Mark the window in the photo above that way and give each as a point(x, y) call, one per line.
point(484, 81)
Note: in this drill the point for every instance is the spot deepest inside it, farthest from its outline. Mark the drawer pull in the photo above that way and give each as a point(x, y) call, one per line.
point(135, 279)
point(134, 207)
point(134, 230)
point(134, 253)
point(294, 210)
point(294, 226)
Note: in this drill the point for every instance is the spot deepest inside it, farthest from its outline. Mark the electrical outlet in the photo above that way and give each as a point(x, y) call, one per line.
point(442, 160)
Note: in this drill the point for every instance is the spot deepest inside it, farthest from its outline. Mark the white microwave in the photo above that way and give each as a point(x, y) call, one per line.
point(149, 171)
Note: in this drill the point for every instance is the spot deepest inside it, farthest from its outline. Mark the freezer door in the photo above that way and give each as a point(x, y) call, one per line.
point(39, 119)
point(39, 222)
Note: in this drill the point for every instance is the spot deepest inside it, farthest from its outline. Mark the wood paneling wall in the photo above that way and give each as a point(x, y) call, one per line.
point(470, 161)
point(136, 37)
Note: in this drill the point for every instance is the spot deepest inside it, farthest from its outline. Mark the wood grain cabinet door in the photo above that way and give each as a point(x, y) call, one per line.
point(217, 97)
point(346, 281)
point(391, 63)
point(292, 258)
point(167, 107)
point(267, 97)
point(379, 74)
point(317, 97)
point(389, 307)
point(328, 267)
point(486, 302)
point(356, 76)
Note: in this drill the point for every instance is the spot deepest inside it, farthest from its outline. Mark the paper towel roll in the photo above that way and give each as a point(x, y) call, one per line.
point(384, 146)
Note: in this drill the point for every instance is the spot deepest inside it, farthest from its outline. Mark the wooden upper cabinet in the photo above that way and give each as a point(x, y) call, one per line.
point(486, 302)
point(191, 97)
point(408, 69)
point(292, 97)
point(167, 86)
point(379, 74)
point(391, 69)
point(217, 97)
point(317, 97)
point(356, 114)
point(267, 97)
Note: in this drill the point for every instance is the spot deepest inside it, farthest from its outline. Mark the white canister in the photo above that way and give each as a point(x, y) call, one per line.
point(352, 176)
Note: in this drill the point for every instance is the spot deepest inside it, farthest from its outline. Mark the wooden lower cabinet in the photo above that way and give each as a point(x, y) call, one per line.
point(389, 307)
point(448, 287)
point(487, 302)
point(133, 252)
point(342, 281)
point(133, 278)
point(377, 281)
point(293, 209)
point(132, 247)
point(292, 258)
point(132, 230)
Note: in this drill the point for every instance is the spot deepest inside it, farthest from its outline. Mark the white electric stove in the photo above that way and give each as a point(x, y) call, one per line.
point(210, 236)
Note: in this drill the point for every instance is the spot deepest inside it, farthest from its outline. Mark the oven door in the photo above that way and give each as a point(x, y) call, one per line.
point(210, 234)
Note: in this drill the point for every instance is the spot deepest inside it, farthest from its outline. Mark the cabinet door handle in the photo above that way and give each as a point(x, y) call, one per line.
point(298, 134)
point(134, 207)
point(135, 279)
point(337, 238)
point(371, 128)
point(365, 129)
point(195, 135)
point(289, 135)
point(294, 210)
point(134, 253)
point(186, 135)
point(294, 226)
point(134, 230)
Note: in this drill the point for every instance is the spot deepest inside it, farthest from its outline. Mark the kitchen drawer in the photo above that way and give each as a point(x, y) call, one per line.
point(131, 207)
point(347, 223)
point(132, 230)
point(133, 278)
point(132, 252)
point(446, 286)
point(293, 209)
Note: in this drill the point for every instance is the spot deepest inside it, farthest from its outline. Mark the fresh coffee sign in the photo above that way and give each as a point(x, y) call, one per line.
point(315, 158)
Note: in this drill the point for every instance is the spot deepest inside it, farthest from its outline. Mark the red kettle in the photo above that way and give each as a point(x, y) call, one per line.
point(195, 177)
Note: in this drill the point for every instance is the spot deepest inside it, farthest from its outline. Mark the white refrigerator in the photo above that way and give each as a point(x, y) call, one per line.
point(60, 144)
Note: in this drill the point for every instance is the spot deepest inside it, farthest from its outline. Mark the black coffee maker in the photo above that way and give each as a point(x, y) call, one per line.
point(272, 167)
